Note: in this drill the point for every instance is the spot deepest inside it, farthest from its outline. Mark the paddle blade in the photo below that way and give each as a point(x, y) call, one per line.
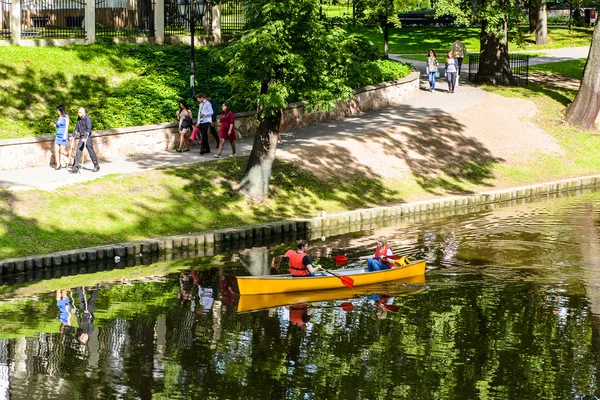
point(347, 281)
point(347, 306)
point(341, 260)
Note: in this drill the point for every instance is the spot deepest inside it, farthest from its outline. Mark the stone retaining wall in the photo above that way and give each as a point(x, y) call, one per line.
point(113, 143)
point(214, 242)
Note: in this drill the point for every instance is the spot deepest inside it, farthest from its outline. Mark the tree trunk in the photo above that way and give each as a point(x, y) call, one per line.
point(533, 15)
point(494, 65)
point(386, 37)
point(583, 111)
point(255, 184)
point(541, 26)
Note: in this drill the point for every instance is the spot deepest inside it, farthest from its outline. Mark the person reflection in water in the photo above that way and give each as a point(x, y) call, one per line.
point(85, 315)
point(64, 309)
point(384, 303)
point(300, 314)
point(186, 289)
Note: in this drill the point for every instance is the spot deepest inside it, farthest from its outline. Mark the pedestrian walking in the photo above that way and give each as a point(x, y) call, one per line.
point(451, 72)
point(83, 130)
point(61, 139)
point(212, 127)
point(432, 69)
point(205, 113)
point(226, 130)
point(460, 51)
point(184, 115)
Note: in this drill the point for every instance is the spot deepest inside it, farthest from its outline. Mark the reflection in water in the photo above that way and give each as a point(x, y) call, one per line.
point(509, 311)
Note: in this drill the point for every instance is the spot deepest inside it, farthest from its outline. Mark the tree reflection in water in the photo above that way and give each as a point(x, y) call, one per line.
point(508, 311)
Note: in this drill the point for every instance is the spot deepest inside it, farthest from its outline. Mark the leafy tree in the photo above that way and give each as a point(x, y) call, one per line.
point(497, 18)
point(287, 54)
point(586, 106)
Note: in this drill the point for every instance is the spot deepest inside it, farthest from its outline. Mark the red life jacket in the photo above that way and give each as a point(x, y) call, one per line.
point(296, 266)
point(386, 261)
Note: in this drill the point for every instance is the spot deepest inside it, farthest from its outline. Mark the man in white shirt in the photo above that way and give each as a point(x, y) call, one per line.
point(205, 113)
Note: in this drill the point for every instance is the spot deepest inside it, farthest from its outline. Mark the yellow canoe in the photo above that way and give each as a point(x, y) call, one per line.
point(286, 283)
point(257, 302)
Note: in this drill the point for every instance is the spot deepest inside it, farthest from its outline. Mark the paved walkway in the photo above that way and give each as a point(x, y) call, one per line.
point(422, 106)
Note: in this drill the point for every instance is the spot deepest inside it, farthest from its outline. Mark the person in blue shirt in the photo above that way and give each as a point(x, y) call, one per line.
point(62, 135)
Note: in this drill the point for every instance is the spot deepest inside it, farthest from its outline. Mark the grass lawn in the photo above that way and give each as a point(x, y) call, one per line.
point(570, 68)
point(420, 40)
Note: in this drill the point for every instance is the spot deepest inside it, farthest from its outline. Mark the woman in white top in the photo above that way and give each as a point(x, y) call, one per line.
point(451, 72)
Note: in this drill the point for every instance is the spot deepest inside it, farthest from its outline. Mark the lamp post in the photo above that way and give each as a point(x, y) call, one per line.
point(191, 11)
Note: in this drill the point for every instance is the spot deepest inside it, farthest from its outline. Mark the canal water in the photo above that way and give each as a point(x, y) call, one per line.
point(509, 308)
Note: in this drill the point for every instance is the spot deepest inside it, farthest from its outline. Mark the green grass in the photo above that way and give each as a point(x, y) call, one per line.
point(420, 40)
point(171, 201)
point(570, 68)
point(122, 85)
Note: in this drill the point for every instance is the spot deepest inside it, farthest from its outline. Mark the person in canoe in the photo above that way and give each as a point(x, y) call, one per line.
point(300, 262)
point(381, 260)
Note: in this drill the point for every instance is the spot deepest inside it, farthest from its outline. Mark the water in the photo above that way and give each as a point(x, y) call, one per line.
point(509, 309)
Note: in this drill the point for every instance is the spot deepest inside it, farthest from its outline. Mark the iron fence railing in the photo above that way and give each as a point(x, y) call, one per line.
point(52, 19)
point(518, 67)
point(176, 25)
point(232, 17)
point(124, 18)
point(5, 19)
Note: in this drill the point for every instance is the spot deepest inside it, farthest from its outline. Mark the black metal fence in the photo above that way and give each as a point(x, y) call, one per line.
point(518, 71)
point(55, 19)
point(124, 18)
point(176, 25)
point(5, 19)
point(233, 17)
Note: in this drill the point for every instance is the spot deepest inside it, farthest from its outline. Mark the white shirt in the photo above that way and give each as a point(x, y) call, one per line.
point(206, 109)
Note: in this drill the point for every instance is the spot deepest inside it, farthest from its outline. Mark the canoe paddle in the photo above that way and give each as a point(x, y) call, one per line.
point(346, 280)
point(341, 260)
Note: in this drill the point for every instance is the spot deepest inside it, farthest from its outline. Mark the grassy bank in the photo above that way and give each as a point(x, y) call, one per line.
point(571, 68)
point(420, 40)
point(125, 85)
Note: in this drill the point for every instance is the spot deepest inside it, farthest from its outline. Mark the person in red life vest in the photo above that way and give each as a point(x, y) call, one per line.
point(380, 260)
point(300, 262)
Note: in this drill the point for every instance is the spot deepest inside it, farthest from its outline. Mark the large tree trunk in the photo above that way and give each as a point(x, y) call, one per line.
point(533, 5)
point(255, 184)
point(494, 65)
point(541, 26)
point(583, 111)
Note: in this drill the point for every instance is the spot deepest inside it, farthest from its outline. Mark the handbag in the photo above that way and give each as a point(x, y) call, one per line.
point(195, 133)
point(437, 74)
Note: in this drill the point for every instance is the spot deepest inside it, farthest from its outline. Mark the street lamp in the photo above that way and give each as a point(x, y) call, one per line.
point(191, 11)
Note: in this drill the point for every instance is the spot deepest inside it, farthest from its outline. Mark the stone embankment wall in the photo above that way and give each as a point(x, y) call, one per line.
point(113, 143)
point(209, 243)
